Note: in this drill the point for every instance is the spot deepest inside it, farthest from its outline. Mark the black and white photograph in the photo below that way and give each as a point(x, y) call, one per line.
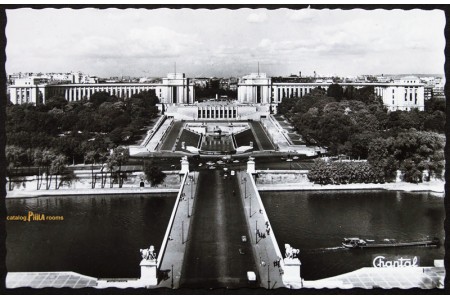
point(264, 148)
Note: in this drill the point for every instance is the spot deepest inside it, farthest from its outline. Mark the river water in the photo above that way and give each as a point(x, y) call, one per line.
point(100, 236)
point(316, 222)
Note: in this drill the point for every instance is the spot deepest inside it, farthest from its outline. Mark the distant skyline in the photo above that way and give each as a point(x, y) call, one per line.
point(224, 43)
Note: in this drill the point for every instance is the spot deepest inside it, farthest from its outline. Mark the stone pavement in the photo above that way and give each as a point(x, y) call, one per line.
point(49, 280)
point(87, 191)
point(177, 235)
point(386, 278)
point(266, 249)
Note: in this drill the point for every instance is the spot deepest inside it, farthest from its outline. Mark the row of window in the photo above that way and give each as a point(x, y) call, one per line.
point(221, 114)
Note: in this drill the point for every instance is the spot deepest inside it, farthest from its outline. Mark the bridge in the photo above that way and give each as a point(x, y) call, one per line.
point(214, 244)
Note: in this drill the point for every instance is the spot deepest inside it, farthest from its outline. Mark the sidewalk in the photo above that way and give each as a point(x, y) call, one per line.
point(266, 249)
point(177, 237)
point(78, 192)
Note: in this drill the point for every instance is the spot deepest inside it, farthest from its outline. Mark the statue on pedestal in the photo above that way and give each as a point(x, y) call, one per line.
point(148, 254)
point(291, 252)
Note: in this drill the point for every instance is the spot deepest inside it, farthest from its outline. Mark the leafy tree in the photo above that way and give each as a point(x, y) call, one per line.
point(48, 156)
point(90, 157)
point(58, 166)
point(435, 104)
point(338, 172)
point(118, 158)
point(154, 174)
point(99, 98)
point(103, 159)
point(335, 91)
point(410, 151)
point(14, 159)
point(286, 105)
point(435, 122)
point(381, 158)
point(56, 102)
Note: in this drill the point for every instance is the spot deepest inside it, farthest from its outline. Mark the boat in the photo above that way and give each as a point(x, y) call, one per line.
point(356, 242)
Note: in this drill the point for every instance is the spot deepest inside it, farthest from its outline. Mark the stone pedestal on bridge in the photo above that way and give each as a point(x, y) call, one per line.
point(184, 165)
point(251, 165)
point(149, 274)
point(291, 275)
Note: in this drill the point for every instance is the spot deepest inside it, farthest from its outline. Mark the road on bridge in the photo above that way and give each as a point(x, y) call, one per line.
point(216, 256)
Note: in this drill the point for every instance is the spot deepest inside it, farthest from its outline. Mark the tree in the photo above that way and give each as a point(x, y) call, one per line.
point(335, 91)
point(286, 105)
point(14, 158)
point(154, 174)
point(435, 104)
point(48, 156)
point(411, 152)
point(435, 122)
point(381, 159)
point(103, 159)
point(98, 98)
point(90, 157)
point(56, 102)
point(58, 166)
point(117, 158)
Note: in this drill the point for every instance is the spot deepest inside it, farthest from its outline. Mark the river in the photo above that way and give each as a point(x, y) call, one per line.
point(100, 236)
point(316, 222)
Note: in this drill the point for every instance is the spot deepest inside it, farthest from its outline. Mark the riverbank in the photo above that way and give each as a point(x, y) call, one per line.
point(83, 191)
point(83, 187)
point(436, 186)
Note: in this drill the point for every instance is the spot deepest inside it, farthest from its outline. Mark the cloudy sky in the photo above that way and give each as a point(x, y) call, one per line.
point(223, 42)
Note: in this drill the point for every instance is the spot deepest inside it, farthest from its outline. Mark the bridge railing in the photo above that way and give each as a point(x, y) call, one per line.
point(162, 250)
point(266, 218)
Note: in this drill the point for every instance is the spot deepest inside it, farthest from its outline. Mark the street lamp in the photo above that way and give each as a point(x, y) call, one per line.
point(182, 231)
point(172, 277)
point(188, 212)
point(256, 232)
point(250, 208)
point(245, 188)
point(192, 187)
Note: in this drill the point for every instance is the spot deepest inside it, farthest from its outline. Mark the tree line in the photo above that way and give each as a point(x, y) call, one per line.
point(49, 136)
point(354, 122)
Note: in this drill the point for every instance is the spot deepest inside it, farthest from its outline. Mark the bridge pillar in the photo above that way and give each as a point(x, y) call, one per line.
point(251, 165)
point(184, 165)
point(291, 268)
point(149, 272)
point(291, 275)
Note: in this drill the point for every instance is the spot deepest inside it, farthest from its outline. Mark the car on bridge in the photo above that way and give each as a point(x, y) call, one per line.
point(244, 238)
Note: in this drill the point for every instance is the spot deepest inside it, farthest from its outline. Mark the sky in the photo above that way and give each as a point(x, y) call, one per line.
point(223, 43)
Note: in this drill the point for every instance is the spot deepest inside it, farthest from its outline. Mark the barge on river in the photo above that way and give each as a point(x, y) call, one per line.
point(366, 243)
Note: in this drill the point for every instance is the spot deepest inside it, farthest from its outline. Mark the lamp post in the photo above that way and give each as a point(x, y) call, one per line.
point(182, 231)
point(172, 277)
point(256, 232)
point(192, 195)
point(268, 277)
point(250, 208)
point(245, 187)
point(192, 187)
point(188, 212)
